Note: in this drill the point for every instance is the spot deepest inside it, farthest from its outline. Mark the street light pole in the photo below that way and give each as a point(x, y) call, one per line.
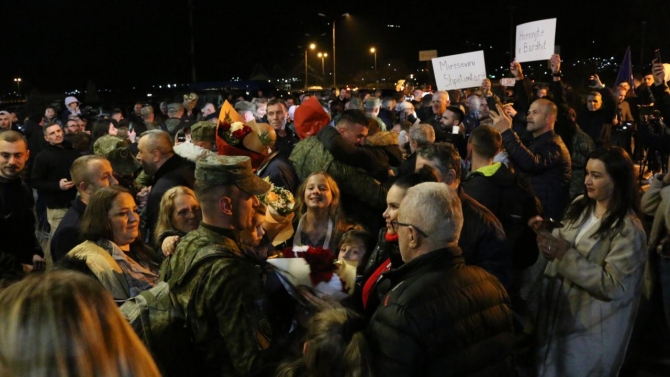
point(374, 51)
point(334, 65)
point(312, 46)
point(18, 84)
point(323, 55)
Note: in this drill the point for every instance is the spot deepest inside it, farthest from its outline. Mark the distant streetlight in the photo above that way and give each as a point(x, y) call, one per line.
point(374, 51)
point(18, 84)
point(334, 69)
point(312, 46)
point(323, 55)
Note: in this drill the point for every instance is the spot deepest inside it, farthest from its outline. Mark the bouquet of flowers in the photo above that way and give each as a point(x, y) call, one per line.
point(320, 261)
point(279, 204)
point(279, 199)
point(233, 132)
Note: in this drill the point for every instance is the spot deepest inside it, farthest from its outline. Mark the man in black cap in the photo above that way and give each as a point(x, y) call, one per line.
point(214, 282)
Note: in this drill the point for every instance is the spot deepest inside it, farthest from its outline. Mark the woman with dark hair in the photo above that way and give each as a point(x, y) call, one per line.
point(386, 255)
point(104, 127)
point(113, 249)
point(590, 273)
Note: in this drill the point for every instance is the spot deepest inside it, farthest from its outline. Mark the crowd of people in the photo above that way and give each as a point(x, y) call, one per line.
point(490, 231)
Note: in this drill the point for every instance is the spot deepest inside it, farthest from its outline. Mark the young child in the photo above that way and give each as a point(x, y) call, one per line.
point(335, 345)
point(354, 246)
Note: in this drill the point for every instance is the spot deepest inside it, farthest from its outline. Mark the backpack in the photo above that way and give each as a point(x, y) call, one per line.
point(518, 203)
point(159, 321)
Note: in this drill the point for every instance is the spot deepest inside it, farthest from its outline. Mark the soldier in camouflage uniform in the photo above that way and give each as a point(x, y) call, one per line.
point(222, 294)
point(175, 122)
point(363, 198)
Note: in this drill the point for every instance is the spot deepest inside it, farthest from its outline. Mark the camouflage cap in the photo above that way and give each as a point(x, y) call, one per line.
point(123, 162)
point(146, 110)
point(371, 103)
point(175, 107)
point(106, 144)
point(203, 131)
point(230, 170)
point(245, 106)
point(191, 97)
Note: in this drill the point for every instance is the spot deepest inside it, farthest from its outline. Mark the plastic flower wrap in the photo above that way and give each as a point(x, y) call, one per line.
point(280, 204)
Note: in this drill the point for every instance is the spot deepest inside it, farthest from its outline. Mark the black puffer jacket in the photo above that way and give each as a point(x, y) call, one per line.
point(442, 318)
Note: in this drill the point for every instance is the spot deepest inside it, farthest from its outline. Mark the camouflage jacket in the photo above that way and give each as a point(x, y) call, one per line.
point(224, 302)
point(310, 155)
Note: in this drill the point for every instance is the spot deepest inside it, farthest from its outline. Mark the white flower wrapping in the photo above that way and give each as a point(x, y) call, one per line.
point(236, 126)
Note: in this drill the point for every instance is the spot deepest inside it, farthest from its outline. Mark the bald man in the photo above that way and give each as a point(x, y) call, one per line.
point(546, 161)
point(158, 159)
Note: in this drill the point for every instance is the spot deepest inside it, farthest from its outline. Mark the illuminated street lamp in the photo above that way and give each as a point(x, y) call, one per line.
point(323, 55)
point(18, 84)
point(334, 69)
point(374, 51)
point(312, 46)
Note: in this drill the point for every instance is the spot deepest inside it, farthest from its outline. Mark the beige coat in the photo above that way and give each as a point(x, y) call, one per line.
point(588, 302)
point(655, 202)
point(103, 265)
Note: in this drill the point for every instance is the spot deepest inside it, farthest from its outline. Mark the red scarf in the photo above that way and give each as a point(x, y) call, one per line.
point(374, 278)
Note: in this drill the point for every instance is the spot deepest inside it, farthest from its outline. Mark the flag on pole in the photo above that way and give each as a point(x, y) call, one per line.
point(625, 71)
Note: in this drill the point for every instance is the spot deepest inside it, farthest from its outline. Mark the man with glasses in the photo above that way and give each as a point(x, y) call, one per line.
point(72, 127)
point(440, 311)
point(482, 237)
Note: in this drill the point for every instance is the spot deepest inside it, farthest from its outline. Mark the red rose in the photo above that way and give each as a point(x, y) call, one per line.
point(321, 264)
point(239, 134)
point(225, 126)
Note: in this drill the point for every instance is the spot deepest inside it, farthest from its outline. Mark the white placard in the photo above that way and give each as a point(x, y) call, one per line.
point(459, 71)
point(535, 40)
point(508, 81)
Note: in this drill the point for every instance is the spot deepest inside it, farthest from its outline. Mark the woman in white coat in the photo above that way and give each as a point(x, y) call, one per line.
point(591, 286)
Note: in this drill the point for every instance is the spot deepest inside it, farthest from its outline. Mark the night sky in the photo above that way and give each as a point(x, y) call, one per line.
point(125, 43)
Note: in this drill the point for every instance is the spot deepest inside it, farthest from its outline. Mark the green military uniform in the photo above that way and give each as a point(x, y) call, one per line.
point(173, 125)
point(310, 155)
point(223, 295)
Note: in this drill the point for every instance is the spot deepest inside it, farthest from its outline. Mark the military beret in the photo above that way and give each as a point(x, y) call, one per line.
point(203, 131)
point(123, 162)
point(106, 144)
point(230, 170)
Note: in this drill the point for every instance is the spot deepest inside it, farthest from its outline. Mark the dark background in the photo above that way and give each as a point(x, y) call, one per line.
point(61, 45)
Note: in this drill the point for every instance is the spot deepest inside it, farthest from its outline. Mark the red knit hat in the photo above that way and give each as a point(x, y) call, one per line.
point(310, 118)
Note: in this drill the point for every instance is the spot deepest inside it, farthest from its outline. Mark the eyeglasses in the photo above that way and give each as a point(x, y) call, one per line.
point(396, 224)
